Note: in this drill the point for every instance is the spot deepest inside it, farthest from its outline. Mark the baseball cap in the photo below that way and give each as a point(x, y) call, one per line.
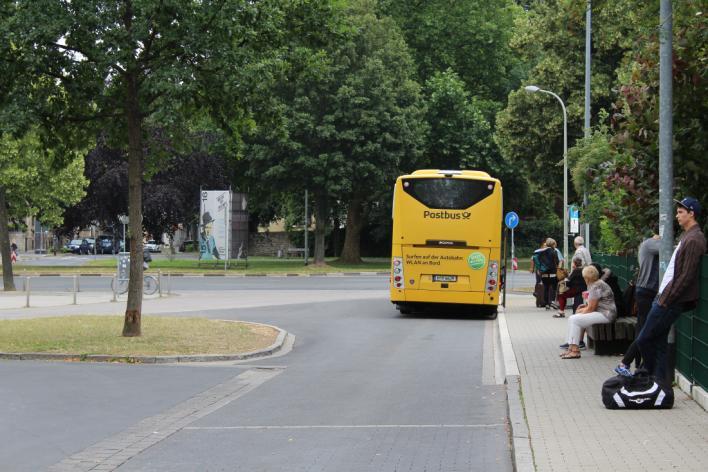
point(690, 204)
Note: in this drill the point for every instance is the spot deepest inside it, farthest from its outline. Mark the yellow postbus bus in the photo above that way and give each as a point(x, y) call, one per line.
point(447, 235)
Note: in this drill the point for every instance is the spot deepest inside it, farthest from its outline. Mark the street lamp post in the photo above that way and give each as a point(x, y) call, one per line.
point(534, 89)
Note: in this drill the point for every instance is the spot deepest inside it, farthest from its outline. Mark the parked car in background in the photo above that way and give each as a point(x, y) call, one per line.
point(73, 246)
point(87, 246)
point(105, 245)
point(153, 246)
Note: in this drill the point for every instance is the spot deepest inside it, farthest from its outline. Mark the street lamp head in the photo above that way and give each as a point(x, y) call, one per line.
point(532, 88)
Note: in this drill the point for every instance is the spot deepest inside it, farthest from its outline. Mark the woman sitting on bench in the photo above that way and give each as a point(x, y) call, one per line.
point(574, 284)
point(599, 308)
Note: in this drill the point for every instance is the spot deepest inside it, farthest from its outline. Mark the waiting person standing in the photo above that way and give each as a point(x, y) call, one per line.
point(545, 263)
point(646, 289)
point(678, 290)
point(581, 251)
point(552, 243)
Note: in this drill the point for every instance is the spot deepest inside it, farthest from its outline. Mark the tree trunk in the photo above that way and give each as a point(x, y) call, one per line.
point(133, 310)
point(321, 218)
point(351, 252)
point(7, 277)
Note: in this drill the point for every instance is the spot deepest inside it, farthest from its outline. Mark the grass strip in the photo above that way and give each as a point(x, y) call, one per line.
point(161, 336)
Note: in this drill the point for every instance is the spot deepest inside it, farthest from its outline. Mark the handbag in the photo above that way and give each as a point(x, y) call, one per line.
point(563, 287)
point(561, 273)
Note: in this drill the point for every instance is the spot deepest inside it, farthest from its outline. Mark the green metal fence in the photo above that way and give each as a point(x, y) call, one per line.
point(692, 337)
point(691, 327)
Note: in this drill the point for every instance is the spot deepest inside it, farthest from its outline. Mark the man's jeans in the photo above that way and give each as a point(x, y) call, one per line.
point(643, 297)
point(652, 339)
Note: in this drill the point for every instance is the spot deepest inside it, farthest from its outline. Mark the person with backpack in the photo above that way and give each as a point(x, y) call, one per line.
point(545, 263)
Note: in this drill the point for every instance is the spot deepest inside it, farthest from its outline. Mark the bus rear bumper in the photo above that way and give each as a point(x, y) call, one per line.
point(430, 296)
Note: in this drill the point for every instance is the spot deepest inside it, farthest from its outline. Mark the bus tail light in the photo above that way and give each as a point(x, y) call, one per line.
point(492, 276)
point(397, 272)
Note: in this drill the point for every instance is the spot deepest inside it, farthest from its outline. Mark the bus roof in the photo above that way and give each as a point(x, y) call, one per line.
point(438, 172)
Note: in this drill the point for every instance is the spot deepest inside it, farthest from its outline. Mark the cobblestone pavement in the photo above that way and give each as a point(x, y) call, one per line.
point(570, 428)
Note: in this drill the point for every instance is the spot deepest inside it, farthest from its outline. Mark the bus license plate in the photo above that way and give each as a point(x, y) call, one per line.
point(444, 278)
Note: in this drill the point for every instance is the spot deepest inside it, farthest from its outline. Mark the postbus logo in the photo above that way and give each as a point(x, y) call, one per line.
point(476, 260)
point(447, 215)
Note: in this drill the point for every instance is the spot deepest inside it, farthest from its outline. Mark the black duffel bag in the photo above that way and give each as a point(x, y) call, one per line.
point(640, 392)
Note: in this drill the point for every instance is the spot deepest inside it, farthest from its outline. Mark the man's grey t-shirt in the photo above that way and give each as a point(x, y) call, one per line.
point(648, 276)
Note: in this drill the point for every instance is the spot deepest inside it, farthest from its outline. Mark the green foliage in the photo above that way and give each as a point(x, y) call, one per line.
point(459, 135)
point(349, 115)
point(469, 37)
point(33, 184)
point(618, 164)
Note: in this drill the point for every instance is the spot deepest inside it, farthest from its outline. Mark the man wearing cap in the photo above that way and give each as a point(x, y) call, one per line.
point(678, 290)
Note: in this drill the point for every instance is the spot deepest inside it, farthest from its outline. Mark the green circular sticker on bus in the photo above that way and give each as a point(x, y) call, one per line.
point(476, 260)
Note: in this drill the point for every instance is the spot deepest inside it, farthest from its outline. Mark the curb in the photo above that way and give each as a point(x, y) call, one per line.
point(522, 454)
point(38, 356)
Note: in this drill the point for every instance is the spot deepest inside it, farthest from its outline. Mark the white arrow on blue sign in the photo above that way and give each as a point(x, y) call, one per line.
point(511, 220)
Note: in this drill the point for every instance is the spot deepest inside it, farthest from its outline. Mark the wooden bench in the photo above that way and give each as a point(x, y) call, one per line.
point(296, 252)
point(612, 338)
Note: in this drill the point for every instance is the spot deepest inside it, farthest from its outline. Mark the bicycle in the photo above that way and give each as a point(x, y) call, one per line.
point(150, 285)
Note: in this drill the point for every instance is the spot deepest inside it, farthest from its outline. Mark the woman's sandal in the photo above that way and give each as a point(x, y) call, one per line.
point(559, 315)
point(571, 355)
point(565, 353)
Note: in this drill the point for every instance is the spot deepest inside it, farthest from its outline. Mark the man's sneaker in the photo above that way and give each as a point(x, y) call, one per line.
point(581, 346)
point(623, 371)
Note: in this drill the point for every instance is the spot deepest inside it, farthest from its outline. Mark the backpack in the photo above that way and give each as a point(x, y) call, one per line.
point(613, 283)
point(630, 307)
point(545, 261)
point(640, 392)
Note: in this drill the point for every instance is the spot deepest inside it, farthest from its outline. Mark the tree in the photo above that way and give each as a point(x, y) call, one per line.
point(34, 182)
point(618, 164)
point(378, 118)
point(549, 38)
point(128, 64)
point(170, 196)
point(469, 37)
point(294, 148)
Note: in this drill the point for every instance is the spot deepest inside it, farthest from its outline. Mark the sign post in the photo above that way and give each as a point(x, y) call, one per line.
point(125, 220)
point(511, 220)
point(574, 214)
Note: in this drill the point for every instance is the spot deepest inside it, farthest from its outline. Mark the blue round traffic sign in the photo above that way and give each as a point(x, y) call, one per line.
point(511, 220)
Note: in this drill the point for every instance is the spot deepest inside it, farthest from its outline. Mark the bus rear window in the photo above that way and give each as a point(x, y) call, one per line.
point(448, 193)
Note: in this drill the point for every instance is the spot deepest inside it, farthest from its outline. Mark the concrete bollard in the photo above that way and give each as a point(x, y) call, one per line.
point(159, 282)
point(76, 286)
point(169, 283)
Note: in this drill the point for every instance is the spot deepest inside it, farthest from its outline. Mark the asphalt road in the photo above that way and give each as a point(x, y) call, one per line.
point(363, 389)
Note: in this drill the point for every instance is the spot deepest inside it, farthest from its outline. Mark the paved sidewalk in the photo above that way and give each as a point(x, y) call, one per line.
point(99, 303)
point(570, 429)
